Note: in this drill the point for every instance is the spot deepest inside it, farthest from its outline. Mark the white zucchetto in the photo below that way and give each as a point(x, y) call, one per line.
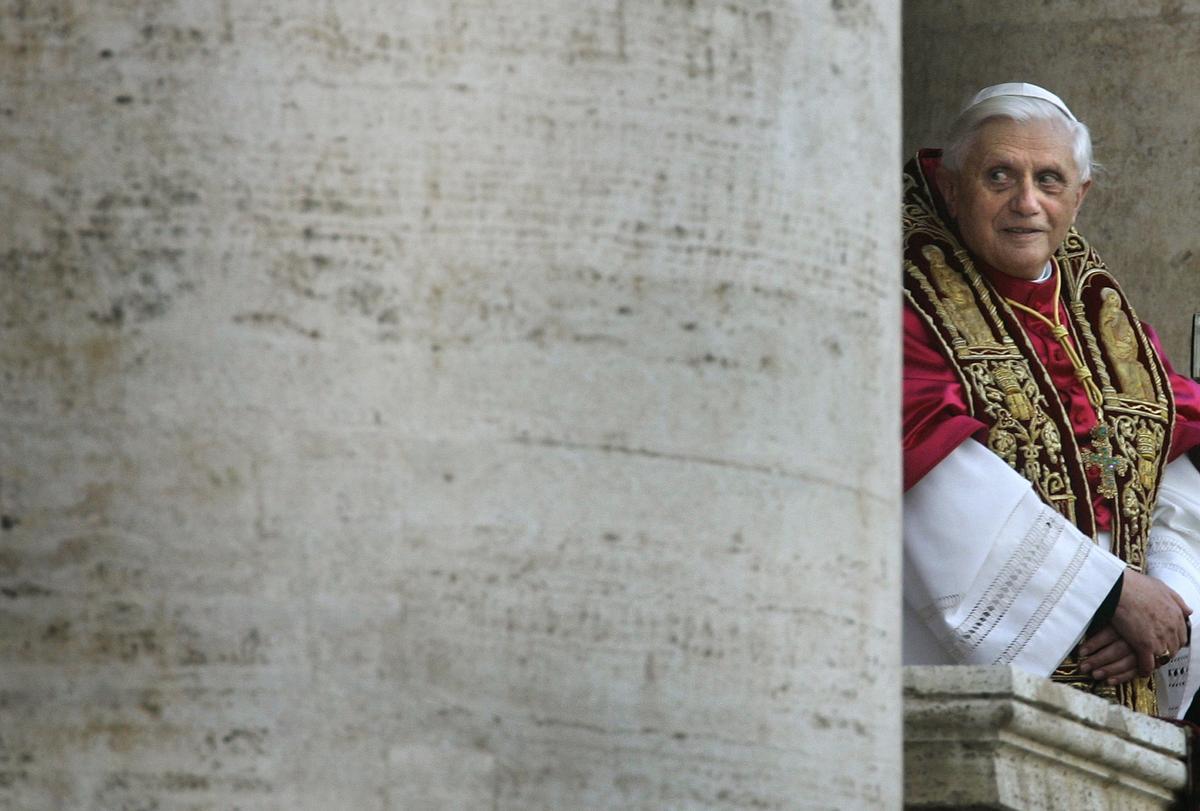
point(1021, 89)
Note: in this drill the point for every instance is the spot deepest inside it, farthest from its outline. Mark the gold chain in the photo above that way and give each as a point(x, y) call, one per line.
point(1060, 333)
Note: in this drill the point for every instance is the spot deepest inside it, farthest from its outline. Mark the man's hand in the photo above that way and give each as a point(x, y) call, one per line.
point(1108, 657)
point(1151, 617)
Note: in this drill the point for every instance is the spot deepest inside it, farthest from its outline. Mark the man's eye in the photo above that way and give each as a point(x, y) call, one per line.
point(1050, 179)
point(997, 175)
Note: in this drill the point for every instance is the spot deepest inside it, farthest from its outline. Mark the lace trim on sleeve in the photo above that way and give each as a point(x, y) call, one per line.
point(992, 607)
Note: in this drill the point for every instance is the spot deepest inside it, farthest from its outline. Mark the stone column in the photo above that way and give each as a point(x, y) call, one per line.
point(449, 405)
point(1123, 68)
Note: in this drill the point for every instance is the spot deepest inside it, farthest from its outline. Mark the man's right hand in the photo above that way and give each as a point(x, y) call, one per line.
point(1151, 617)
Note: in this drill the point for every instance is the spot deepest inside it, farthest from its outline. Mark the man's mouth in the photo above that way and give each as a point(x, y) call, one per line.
point(1022, 231)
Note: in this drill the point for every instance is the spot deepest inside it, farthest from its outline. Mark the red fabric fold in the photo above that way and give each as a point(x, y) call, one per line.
point(935, 418)
point(1187, 403)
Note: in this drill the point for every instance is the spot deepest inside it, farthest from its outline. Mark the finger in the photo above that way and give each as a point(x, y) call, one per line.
point(1122, 670)
point(1181, 635)
point(1164, 649)
point(1108, 655)
point(1104, 654)
point(1102, 638)
point(1187, 610)
point(1169, 641)
point(1171, 636)
point(1122, 677)
point(1145, 662)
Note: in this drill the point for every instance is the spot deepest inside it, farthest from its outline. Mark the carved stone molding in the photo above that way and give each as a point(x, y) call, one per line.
point(999, 738)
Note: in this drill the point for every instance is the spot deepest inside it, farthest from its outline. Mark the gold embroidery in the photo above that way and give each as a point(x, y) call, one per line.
point(1138, 406)
point(1119, 339)
point(1053, 441)
point(1022, 434)
point(1141, 440)
point(1002, 442)
point(959, 301)
point(1018, 403)
point(1147, 447)
point(1138, 694)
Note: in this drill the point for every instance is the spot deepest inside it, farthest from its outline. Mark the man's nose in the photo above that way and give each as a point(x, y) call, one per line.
point(1025, 200)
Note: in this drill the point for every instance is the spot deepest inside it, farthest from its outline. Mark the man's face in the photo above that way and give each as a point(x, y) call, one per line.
point(1017, 194)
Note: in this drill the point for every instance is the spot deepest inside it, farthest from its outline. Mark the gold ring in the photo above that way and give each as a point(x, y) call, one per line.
point(1161, 659)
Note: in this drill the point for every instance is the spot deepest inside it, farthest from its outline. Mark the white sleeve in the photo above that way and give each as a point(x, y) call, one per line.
point(992, 573)
point(1173, 556)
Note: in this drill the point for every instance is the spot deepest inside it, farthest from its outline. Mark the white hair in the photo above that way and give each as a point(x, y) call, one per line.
point(1018, 108)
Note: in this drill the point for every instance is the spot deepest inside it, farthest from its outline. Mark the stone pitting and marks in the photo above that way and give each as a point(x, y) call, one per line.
point(358, 450)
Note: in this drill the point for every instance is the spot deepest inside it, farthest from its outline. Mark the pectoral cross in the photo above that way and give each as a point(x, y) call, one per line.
point(1101, 456)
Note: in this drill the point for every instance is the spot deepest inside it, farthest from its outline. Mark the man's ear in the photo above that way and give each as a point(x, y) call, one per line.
point(1083, 190)
point(1079, 198)
point(947, 185)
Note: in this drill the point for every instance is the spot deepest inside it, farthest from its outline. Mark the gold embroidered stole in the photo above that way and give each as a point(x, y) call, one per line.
point(1009, 389)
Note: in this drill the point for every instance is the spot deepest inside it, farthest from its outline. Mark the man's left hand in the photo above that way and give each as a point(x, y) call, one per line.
point(1108, 657)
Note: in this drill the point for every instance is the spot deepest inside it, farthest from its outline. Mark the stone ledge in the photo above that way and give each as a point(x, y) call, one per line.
point(996, 737)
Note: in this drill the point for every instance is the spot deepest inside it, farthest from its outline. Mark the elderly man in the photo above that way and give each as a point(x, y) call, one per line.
point(1052, 516)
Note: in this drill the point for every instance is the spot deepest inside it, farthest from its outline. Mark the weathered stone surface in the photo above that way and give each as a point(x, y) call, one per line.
point(1119, 65)
point(448, 405)
point(996, 737)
